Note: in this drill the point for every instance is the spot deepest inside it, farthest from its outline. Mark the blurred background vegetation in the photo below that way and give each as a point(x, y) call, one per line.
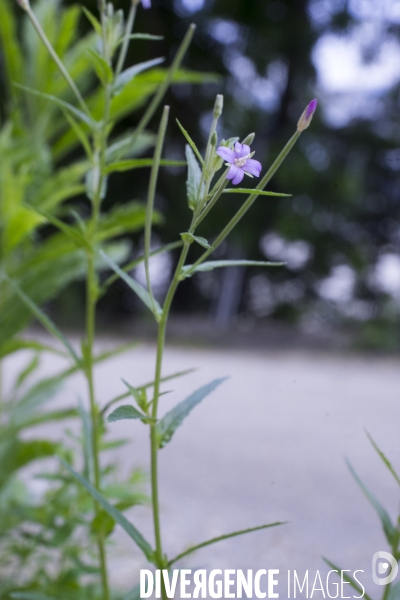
point(339, 234)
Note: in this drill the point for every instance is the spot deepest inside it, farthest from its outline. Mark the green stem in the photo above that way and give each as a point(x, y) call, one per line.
point(212, 202)
point(161, 563)
point(128, 29)
point(57, 59)
point(151, 195)
point(248, 203)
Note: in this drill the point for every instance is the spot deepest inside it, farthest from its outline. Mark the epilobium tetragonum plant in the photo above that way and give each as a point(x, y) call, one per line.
point(205, 185)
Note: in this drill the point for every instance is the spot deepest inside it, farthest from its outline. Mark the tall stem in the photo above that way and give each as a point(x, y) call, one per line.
point(92, 294)
point(125, 43)
point(153, 432)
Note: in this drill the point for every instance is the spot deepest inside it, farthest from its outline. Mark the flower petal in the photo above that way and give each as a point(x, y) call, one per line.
point(236, 174)
point(146, 3)
point(253, 167)
point(226, 153)
point(238, 149)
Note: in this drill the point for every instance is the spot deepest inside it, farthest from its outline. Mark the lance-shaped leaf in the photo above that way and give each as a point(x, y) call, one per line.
point(126, 76)
point(193, 178)
point(139, 290)
point(384, 458)
point(171, 421)
point(390, 531)
point(191, 143)
point(254, 191)
point(223, 537)
point(114, 514)
point(61, 103)
point(30, 596)
point(189, 237)
point(347, 578)
point(134, 263)
point(145, 387)
point(101, 66)
point(71, 232)
point(44, 320)
point(139, 163)
point(125, 412)
point(188, 270)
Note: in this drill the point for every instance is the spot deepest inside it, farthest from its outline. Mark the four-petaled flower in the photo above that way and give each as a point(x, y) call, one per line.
point(240, 162)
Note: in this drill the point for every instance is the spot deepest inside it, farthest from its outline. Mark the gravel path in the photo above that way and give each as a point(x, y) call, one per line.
point(269, 444)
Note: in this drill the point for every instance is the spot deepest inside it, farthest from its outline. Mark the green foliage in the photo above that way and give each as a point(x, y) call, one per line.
point(167, 426)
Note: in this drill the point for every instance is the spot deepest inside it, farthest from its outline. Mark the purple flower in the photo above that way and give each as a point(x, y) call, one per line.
point(146, 3)
point(307, 115)
point(240, 162)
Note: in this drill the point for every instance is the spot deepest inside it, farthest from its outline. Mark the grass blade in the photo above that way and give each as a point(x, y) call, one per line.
point(114, 513)
point(384, 458)
point(44, 320)
point(223, 537)
point(347, 578)
point(139, 290)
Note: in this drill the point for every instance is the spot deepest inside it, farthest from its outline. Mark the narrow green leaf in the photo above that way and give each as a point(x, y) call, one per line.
point(61, 103)
point(254, 191)
point(136, 394)
point(347, 578)
point(193, 178)
point(138, 163)
point(145, 36)
point(224, 537)
point(30, 596)
point(111, 353)
point(125, 412)
point(189, 237)
point(137, 261)
point(126, 76)
point(72, 233)
point(102, 68)
point(15, 345)
point(143, 387)
point(115, 514)
point(388, 528)
point(191, 143)
point(48, 417)
point(170, 422)
point(44, 320)
point(139, 290)
point(384, 459)
point(92, 19)
point(30, 367)
point(80, 134)
point(102, 524)
point(188, 270)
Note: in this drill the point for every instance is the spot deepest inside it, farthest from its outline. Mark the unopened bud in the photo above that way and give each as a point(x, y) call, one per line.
point(249, 139)
point(218, 106)
point(214, 139)
point(307, 115)
point(24, 4)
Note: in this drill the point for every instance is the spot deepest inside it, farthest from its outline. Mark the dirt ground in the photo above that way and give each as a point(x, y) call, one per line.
point(268, 445)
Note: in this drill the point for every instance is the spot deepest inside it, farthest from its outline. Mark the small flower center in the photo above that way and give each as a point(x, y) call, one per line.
point(240, 162)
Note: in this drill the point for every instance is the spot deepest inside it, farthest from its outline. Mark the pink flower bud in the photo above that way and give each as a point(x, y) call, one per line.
point(307, 115)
